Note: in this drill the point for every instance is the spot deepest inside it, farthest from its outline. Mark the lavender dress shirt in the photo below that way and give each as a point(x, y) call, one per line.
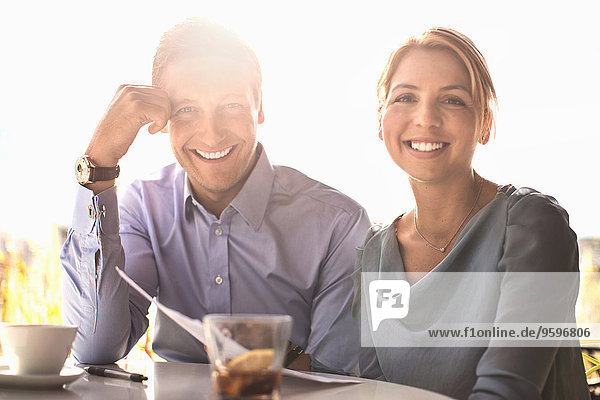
point(285, 245)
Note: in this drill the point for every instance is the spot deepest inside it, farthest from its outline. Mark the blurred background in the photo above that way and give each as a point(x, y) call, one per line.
point(61, 63)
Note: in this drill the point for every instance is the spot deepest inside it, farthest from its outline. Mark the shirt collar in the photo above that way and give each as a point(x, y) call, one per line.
point(187, 195)
point(251, 202)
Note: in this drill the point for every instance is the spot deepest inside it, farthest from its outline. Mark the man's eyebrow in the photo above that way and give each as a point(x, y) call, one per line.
point(175, 102)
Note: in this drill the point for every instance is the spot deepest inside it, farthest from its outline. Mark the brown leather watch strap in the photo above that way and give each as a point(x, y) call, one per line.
point(293, 352)
point(104, 173)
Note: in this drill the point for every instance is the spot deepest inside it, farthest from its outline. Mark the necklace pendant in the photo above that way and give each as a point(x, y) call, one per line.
point(443, 249)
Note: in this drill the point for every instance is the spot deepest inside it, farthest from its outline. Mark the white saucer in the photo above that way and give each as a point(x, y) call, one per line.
point(67, 375)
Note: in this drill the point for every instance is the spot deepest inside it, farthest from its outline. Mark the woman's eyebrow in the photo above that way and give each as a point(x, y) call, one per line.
point(448, 87)
point(454, 87)
point(403, 86)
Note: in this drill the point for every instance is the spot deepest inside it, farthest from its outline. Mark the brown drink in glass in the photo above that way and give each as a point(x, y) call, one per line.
point(246, 354)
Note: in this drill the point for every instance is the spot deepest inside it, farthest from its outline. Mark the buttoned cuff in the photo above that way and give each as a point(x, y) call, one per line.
point(96, 210)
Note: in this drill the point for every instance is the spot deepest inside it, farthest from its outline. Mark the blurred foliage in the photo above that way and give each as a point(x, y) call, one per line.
point(588, 304)
point(30, 281)
point(588, 307)
point(30, 286)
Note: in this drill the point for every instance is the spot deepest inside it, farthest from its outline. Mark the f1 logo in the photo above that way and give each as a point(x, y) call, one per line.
point(388, 300)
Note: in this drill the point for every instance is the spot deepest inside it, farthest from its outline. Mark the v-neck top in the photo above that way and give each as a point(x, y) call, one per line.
point(520, 230)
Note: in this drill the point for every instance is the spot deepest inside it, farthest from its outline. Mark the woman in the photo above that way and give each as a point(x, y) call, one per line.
point(437, 104)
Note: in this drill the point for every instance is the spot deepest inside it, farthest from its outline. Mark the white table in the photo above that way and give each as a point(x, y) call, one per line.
point(192, 381)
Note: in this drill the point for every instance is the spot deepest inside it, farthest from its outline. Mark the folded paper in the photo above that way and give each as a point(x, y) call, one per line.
point(196, 329)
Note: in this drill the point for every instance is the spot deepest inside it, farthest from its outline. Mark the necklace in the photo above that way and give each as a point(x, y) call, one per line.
point(443, 249)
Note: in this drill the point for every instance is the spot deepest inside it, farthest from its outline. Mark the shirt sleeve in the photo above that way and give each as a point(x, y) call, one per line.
point(95, 298)
point(334, 342)
point(538, 239)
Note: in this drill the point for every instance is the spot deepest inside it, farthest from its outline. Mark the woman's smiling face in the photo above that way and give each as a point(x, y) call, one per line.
point(430, 122)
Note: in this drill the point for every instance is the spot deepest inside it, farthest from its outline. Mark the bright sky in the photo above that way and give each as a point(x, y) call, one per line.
point(62, 62)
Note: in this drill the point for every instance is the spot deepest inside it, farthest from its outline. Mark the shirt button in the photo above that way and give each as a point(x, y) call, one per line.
point(218, 279)
point(218, 231)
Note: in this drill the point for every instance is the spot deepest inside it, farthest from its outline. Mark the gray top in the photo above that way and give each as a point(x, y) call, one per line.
point(520, 230)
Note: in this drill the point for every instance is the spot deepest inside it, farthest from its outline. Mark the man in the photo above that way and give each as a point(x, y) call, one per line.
point(221, 231)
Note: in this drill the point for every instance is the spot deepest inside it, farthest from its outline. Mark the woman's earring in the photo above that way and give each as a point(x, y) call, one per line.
point(486, 136)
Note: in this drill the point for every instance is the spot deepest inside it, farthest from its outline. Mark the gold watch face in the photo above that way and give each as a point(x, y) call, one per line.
point(82, 170)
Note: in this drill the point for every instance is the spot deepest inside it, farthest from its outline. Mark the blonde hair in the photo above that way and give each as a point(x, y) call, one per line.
point(482, 88)
point(199, 37)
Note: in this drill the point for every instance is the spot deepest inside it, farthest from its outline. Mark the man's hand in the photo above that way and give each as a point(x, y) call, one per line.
point(132, 107)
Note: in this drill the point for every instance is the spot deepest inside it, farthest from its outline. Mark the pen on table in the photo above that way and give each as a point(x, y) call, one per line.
point(113, 373)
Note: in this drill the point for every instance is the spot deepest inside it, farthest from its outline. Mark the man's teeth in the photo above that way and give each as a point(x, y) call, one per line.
point(214, 155)
point(426, 146)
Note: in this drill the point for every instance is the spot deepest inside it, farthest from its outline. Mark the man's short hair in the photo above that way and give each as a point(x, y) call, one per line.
point(197, 38)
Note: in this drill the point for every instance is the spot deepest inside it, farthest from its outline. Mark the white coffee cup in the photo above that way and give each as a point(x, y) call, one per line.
point(37, 349)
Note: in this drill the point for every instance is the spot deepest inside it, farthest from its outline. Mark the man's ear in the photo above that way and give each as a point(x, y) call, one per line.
point(165, 128)
point(261, 115)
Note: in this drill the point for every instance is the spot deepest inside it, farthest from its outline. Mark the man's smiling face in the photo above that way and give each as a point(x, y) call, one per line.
point(216, 107)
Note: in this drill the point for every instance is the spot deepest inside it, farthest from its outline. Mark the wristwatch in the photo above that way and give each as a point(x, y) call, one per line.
point(86, 172)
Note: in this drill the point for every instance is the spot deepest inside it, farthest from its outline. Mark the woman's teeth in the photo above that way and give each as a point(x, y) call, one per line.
point(214, 155)
point(426, 146)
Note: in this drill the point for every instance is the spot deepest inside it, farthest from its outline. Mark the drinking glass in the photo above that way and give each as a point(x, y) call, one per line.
point(246, 353)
